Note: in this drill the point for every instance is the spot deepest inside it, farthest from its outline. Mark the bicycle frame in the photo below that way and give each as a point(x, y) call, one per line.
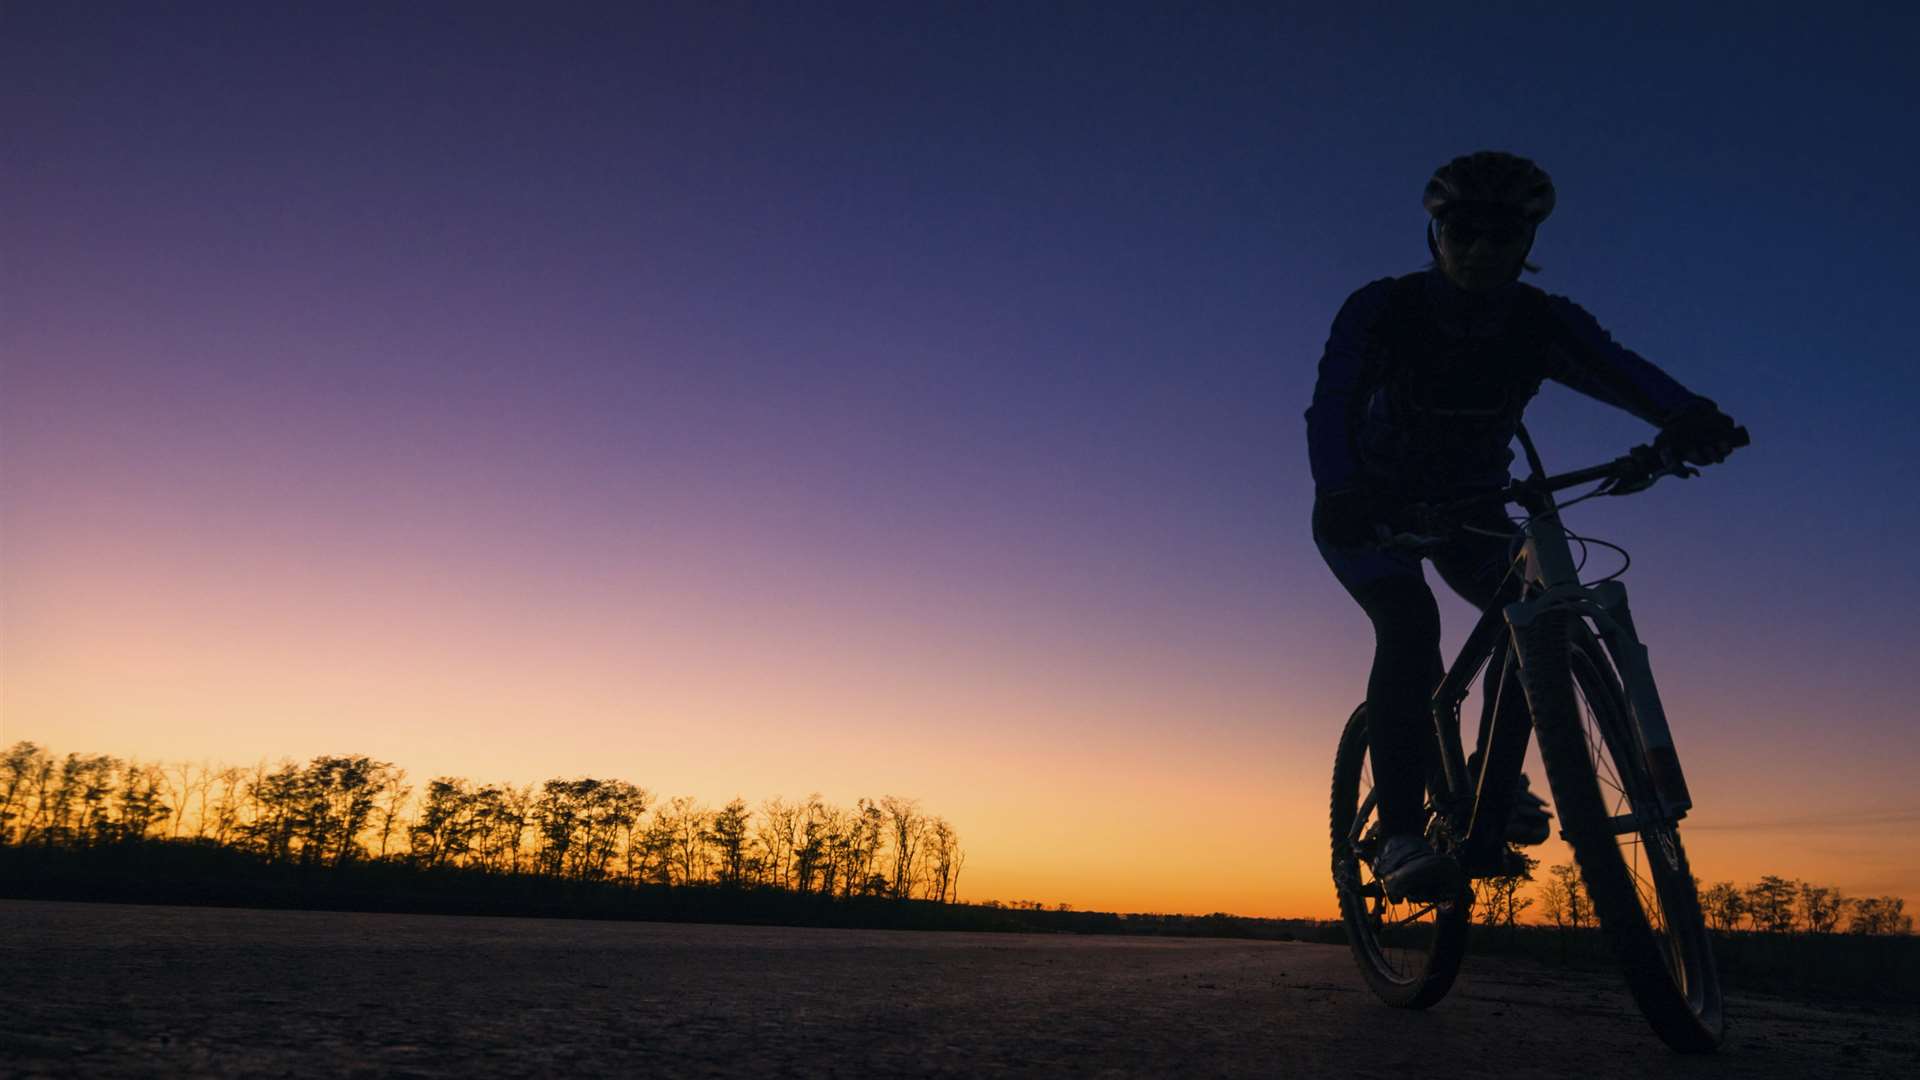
point(1474, 805)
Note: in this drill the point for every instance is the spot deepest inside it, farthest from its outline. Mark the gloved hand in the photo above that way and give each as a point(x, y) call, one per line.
point(1348, 518)
point(1698, 435)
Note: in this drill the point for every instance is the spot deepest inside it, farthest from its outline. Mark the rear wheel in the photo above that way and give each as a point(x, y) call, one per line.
point(1410, 951)
point(1632, 861)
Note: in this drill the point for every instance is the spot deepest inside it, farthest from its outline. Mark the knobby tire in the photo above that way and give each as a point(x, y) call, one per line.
point(1407, 966)
point(1670, 972)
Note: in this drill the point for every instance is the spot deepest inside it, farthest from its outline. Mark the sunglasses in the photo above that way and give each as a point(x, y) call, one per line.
point(1467, 231)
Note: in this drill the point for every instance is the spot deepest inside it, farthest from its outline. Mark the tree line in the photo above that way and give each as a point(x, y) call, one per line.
point(1786, 906)
point(1774, 904)
point(334, 811)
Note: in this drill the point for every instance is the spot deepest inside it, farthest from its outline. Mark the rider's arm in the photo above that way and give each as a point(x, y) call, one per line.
point(1587, 359)
point(1338, 395)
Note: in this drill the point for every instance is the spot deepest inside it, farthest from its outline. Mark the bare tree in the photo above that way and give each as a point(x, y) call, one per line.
point(1820, 908)
point(944, 849)
point(689, 820)
point(654, 864)
point(859, 851)
point(820, 837)
point(72, 801)
point(185, 779)
point(905, 825)
point(274, 799)
point(24, 768)
point(1563, 900)
point(229, 806)
point(1770, 904)
point(506, 814)
point(335, 800)
point(728, 837)
point(778, 832)
point(1499, 898)
point(1880, 915)
point(391, 805)
point(440, 836)
point(138, 808)
point(1724, 905)
point(609, 809)
point(336, 809)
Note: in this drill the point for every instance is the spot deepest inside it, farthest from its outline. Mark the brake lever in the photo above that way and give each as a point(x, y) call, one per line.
point(1647, 480)
point(1652, 465)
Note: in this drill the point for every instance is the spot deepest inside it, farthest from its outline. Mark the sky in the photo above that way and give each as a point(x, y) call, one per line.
point(772, 399)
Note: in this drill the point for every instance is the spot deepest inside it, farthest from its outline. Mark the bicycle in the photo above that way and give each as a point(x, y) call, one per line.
point(1571, 650)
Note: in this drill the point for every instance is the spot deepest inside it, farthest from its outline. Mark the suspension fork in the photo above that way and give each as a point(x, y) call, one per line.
point(1605, 605)
point(1631, 660)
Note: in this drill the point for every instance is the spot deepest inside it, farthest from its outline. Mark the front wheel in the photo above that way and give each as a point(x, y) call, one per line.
point(1409, 952)
point(1631, 859)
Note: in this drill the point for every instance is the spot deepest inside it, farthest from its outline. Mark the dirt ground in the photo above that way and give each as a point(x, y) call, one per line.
point(110, 990)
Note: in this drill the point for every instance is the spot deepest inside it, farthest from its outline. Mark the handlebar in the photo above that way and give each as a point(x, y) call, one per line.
point(1636, 470)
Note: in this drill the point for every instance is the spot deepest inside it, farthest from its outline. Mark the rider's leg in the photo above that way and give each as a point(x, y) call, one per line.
point(1406, 668)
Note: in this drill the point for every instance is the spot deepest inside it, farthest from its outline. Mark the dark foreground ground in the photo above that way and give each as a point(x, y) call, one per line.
point(111, 990)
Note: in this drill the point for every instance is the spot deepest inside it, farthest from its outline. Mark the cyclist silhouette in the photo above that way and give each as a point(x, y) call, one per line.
point(1420, 392)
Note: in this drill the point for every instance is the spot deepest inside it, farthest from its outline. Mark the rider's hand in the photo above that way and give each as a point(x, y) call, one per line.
point(1348, 519)
point(1700, 435)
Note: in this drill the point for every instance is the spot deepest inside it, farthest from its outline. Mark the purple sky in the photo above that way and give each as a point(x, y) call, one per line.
point(869, 363)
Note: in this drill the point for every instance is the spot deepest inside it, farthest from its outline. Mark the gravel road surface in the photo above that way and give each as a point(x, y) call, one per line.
point(102, 990)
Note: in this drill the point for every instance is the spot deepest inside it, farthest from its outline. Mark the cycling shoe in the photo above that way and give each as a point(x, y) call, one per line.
point(1409, 869)
point(1529, 822)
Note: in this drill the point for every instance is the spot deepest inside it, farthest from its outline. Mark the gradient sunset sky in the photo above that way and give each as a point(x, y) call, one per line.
point(768, 399)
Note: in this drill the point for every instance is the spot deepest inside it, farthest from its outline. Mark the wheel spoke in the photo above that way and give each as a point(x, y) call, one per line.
point(1395, 941)
point(1422, 912)
point(1644, 840)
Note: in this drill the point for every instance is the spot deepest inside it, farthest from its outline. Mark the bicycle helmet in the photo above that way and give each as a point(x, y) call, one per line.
point(1492, 180)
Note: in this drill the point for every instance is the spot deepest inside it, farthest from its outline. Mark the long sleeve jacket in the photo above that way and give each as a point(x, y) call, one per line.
point(1422, 384)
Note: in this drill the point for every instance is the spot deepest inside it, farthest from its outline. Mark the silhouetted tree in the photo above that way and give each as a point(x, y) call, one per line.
point(729, 839)
point(275, 800)
point(688, 820)
point(74, 801)
point(1499, 898)
point(1564, 898)
point(229, 804)
point(819, 833)
point(1820, 908)
point(609, 810)
point(500, 816)
point(336, 799)
point(1724, 905)
point(391, 805)
point(655, 858)
point(859, 850)
point(441, 834)
point(138, 807)
point(337, 809)
point(944, 851)
point(778, 833)
point(184, 780)
point(1770, 904)
point(24, 768)
point(1880, 915)
point(904, 827)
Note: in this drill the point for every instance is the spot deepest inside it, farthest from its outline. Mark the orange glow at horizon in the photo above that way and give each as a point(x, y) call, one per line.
point(1076, 780)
